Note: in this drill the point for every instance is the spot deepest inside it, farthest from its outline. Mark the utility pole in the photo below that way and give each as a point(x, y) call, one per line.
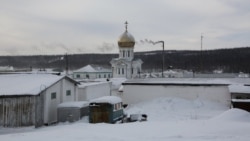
point(201, 54)
point(67, 64)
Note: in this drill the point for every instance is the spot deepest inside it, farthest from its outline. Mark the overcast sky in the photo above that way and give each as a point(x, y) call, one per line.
point(29, 27)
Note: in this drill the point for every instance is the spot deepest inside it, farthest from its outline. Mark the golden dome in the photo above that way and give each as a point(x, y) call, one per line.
point(126, 39)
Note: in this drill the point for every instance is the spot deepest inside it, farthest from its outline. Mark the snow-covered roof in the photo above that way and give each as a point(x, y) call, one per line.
point(107, 99)
point(77, 104)
point(91, 69)
point(237, 88)
point(87, 68)
point(26, 84)
point(241, 100)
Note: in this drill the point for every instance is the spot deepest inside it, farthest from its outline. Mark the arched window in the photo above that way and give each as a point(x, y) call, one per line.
point(123, 53)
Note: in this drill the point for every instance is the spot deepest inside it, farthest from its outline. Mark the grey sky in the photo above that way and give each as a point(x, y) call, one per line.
point(93, 26)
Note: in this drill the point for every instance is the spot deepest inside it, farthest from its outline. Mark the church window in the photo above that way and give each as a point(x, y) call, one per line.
point(122, 70)
point(138, 71)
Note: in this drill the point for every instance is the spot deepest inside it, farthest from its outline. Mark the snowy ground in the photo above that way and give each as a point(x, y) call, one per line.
point(169, 119)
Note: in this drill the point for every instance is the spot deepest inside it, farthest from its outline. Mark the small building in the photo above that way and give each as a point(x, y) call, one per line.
point(90, 72)
point(106, 109)
point(91, 90)
point(6, 68)
point(240, 96)
point(32, 99)
point(72, 111)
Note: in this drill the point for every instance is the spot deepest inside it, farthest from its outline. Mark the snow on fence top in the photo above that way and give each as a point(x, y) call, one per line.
point(189, 81)
point(77, 104)
point(107, 99)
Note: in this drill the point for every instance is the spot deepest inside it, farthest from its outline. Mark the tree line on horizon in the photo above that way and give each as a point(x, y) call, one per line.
point(233, 60)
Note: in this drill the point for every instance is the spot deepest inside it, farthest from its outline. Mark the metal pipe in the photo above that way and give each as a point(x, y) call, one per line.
point(162, 55)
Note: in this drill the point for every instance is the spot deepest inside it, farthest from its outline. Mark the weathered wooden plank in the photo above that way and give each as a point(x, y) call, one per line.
point(1, 112)
point(39, 110)
point(17, 111)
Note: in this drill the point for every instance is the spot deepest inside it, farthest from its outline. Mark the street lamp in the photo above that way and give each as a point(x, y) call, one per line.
point(162, 54)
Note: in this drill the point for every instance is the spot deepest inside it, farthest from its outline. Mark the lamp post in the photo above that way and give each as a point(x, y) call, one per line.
point(162, 55)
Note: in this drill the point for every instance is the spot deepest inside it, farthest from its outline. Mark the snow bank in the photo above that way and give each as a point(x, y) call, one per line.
point(162, 109)
point(234, 114)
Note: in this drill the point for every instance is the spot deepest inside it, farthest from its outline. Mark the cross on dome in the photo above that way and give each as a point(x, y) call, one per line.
point(126, 26)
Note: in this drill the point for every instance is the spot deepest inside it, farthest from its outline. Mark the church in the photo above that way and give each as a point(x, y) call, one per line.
point(125, 65)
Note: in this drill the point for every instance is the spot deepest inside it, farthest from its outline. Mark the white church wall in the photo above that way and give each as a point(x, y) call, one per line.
point(137, 93)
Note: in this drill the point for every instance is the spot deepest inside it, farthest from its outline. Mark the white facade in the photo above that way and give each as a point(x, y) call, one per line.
point(125, 68)
point(64, 91)
point(93, 90)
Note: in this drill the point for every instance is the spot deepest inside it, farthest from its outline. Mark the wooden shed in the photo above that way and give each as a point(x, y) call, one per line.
point(72, 111)
point(106, 109)
point(32, 99)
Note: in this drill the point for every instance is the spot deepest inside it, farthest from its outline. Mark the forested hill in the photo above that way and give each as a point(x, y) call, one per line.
point(229, 60)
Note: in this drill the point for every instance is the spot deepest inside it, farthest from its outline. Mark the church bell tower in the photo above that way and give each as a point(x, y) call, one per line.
point(126, 66)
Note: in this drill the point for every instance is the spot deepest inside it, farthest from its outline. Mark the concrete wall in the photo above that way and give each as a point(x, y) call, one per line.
point(138, 93)
point(92, 91)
